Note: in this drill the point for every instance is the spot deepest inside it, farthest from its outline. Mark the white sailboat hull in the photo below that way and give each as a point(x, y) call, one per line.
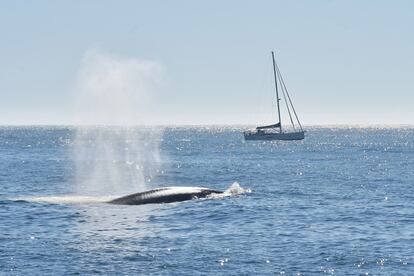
point(262, 135)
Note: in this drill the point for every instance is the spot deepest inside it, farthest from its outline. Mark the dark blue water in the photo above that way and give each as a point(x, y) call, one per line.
point(340, 202)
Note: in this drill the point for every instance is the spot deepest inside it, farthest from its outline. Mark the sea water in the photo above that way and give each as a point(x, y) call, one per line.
point(339, 202)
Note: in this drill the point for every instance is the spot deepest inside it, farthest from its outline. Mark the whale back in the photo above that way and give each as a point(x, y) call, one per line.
point(165, 195)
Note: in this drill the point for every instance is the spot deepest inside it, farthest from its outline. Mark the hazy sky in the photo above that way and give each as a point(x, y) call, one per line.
point(344, 62)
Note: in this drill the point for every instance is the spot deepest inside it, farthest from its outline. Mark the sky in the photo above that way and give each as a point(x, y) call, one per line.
point(207, 62)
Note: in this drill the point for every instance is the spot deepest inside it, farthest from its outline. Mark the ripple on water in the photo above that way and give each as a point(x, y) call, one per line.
point(340, 202)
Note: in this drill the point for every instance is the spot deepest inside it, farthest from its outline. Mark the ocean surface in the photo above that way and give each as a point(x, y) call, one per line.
point(340, 202)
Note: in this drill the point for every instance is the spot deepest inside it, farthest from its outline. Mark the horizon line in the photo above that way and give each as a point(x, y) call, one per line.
point(341, 125)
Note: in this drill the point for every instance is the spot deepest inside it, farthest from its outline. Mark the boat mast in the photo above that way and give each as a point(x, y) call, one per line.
point(277, 93)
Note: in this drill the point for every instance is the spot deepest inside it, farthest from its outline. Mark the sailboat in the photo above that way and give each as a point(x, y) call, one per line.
point(275, 131)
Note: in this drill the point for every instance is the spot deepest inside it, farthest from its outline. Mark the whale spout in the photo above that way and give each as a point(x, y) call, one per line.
point(165, 195)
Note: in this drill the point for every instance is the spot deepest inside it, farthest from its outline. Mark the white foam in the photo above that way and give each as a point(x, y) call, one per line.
point(233, 190)
point(67, 199)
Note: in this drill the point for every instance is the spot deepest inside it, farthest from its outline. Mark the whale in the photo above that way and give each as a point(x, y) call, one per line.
point(159, 195)
point(165, 195)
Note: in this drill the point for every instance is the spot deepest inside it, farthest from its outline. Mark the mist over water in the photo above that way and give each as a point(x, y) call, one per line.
point(115, 90)
point(114, 152)
point(115, 160)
